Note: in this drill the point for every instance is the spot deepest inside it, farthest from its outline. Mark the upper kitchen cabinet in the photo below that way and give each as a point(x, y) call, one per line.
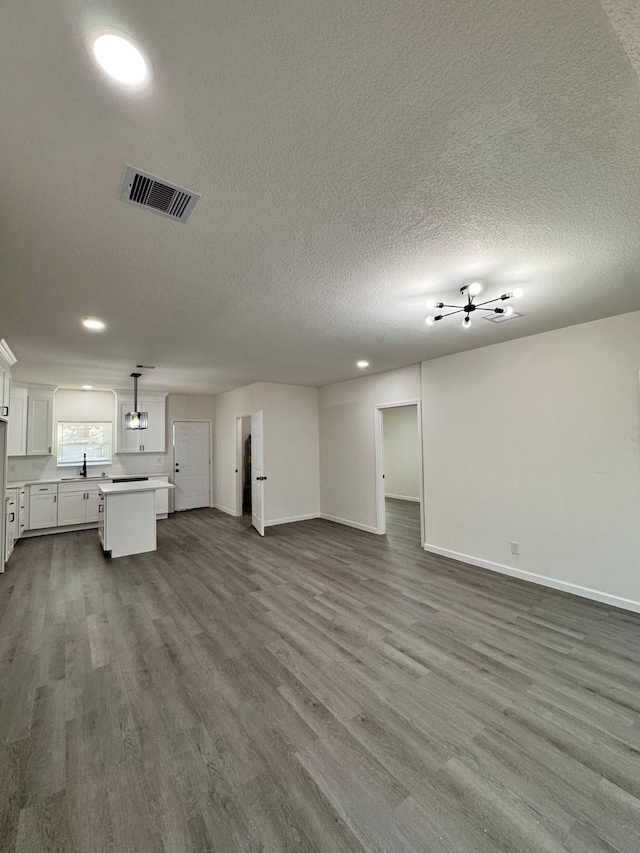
point(5, 393)
point(30, 430)
point(150, 440)
point(40, 420)
point(17, 432)
point(7, 359)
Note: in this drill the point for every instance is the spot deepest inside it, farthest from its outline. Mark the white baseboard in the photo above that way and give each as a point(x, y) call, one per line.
point(366, 527)
point(224, 509)
point(293, 518)
point(67, 528)
point(541, 580)
point(403, 498)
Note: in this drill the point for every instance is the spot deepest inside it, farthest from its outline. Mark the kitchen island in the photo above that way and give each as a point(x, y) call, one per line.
point(127, 516)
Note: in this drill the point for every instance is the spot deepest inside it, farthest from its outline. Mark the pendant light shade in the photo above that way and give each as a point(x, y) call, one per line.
point(136, 419)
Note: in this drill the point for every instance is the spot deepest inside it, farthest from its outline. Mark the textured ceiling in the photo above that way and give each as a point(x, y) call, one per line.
point(353, 158)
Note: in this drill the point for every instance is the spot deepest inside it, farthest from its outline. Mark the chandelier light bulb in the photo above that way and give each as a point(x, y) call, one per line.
point(430, 321)
point(431, 303)
point(517, 292)
point(466, 323)
point(475, 288)
point(507, 310)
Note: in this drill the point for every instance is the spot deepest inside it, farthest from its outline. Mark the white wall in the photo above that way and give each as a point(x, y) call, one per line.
point(291, 463)
point(347, 441)
point(554, 420)
point(401, 452)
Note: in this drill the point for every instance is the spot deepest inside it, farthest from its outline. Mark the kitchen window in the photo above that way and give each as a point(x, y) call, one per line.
point(75, 438)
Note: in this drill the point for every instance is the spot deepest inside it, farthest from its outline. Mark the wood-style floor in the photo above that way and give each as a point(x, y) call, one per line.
point(322, 689)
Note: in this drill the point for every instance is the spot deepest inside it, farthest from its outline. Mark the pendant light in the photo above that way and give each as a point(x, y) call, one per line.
point(136, 419)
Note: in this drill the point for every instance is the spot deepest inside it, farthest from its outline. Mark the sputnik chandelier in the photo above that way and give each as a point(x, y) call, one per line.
point(470, 291)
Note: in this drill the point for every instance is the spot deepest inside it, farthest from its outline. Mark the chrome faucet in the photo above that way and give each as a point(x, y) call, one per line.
point(83, 470)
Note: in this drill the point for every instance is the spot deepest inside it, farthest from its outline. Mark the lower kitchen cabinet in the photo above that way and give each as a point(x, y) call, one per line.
point(78, 503)
point(71, 508)
point(11, 531)
point(162, 497)
point(43, 506)
point(92, 505)
point(23, 510)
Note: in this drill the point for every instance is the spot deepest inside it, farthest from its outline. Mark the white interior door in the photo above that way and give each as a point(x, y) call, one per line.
point(257, 472)
point(191, 442)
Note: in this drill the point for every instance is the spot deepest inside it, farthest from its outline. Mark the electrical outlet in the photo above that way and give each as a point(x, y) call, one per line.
point(515, 548)
point(12, 469)
point(38, 466)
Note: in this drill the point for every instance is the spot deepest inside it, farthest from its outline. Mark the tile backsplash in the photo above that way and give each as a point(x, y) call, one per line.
point(42, 467)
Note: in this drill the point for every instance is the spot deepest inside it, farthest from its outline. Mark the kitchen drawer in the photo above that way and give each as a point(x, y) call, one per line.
point(45, 489)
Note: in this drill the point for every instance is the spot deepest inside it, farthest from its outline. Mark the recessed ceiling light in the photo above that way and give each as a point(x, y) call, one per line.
point(122, 60)
point(87, 387)
point(93, 323)
point(362, 364)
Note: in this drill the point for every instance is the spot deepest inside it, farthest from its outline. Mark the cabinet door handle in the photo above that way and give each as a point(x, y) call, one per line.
point(42, 490)
point(49, 448)
point(101, 508)
point(55, 498)
point(5, 411)
point(12, 517)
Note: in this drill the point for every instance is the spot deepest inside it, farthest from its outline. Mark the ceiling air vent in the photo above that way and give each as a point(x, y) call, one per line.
point(501, 318)
point(145, 190)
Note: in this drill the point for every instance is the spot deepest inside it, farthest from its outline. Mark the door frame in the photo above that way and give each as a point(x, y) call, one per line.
point(172, 503)
point(239, 463)
point(381, 519)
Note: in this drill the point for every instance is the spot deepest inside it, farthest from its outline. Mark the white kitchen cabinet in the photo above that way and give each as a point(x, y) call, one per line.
point(78, 503)
point(162, 497)
point(153, 437)
point(43, 506)
point(11, 529)
point(127, 440)
point(17, 430)
point(150, 440)
point(23, 510)
point(92, 508)
point(71, 508)
point(5, 394)
point(40, 423)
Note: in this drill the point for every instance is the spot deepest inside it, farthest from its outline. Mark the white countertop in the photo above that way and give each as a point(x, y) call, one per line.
point(140, 486)
point(44, 481)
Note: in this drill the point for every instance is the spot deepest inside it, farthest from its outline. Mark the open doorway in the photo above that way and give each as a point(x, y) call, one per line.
point(243, 465)
point(250, 476)
point(399, 471)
